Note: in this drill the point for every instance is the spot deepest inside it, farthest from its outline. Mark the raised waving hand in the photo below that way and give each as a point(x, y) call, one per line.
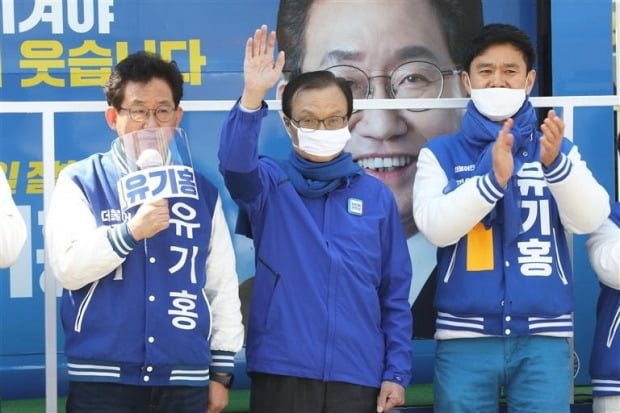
point(260, 70)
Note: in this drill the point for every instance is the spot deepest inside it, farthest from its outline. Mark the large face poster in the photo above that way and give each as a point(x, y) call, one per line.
point(63, 50)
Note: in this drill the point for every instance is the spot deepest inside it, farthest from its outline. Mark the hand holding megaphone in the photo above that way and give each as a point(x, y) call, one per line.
point(152, 217)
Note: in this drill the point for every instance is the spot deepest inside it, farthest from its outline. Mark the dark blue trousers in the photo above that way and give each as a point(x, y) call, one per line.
point(89, 397)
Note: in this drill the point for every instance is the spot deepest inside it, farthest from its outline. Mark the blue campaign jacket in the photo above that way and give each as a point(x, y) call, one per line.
point(148, 322)
point(332, 273)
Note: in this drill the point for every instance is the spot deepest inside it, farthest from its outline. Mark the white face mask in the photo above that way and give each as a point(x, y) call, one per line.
point(323, 142)
point(498, 103)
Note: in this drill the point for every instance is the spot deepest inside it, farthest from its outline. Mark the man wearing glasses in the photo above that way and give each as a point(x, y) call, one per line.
point(330, 324)
point(150, 304)
point(388, 49)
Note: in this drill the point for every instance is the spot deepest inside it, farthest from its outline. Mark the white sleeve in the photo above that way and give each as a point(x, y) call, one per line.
point(222, 287)
point(604, 253)
point(445, 218)
point(78, 251)
point(582, 202)
point(13, 230)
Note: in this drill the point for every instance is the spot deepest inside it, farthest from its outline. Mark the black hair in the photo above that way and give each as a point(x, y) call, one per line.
point(459, 20)
point(141, 67)
point(320, 79)
point(500, 33)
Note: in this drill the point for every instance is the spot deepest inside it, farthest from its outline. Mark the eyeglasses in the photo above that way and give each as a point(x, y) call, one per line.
point(310, 125)
point(411, 80)
point(163, 113)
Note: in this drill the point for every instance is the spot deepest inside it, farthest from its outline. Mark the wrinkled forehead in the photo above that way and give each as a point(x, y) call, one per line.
point(375, 34)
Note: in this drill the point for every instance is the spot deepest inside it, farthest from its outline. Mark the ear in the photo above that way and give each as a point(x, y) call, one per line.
point(285, 120)
point(110, 116)
point(179, 115)
point(529, 83)
point(289, 127)
point(466, 82)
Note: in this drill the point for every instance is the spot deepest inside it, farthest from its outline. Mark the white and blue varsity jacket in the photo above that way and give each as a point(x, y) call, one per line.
point(163, 311)
point(487, 285)
point(604, 253)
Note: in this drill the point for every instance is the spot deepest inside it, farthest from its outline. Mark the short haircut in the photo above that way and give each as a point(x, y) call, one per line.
point(320, 79)
point(499, 33)
point(459, 20)
point(142, 67)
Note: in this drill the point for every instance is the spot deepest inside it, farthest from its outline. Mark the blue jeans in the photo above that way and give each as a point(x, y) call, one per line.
point(89, 397)
point(534, 373)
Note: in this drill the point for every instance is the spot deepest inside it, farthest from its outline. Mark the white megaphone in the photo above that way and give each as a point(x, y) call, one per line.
point(149, 158)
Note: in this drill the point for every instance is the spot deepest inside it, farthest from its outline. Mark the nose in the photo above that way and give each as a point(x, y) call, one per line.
point(498, 79)
point(380, 124)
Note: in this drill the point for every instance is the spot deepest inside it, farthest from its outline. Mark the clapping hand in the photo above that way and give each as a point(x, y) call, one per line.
point(551, 141)
point(503, 161)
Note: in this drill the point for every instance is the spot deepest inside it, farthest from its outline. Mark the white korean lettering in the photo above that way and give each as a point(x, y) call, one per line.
point(183, 254)
point(183, 304)
point(185, 213)
point(535, 259)
point(81, 16)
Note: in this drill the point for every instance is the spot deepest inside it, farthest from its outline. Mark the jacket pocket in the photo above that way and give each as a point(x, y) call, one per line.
point(264, 292)
point(613, 328)
point(450, 269)
point(77, 326)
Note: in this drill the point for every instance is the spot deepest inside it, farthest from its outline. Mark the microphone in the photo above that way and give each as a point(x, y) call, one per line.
point(149, 158)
